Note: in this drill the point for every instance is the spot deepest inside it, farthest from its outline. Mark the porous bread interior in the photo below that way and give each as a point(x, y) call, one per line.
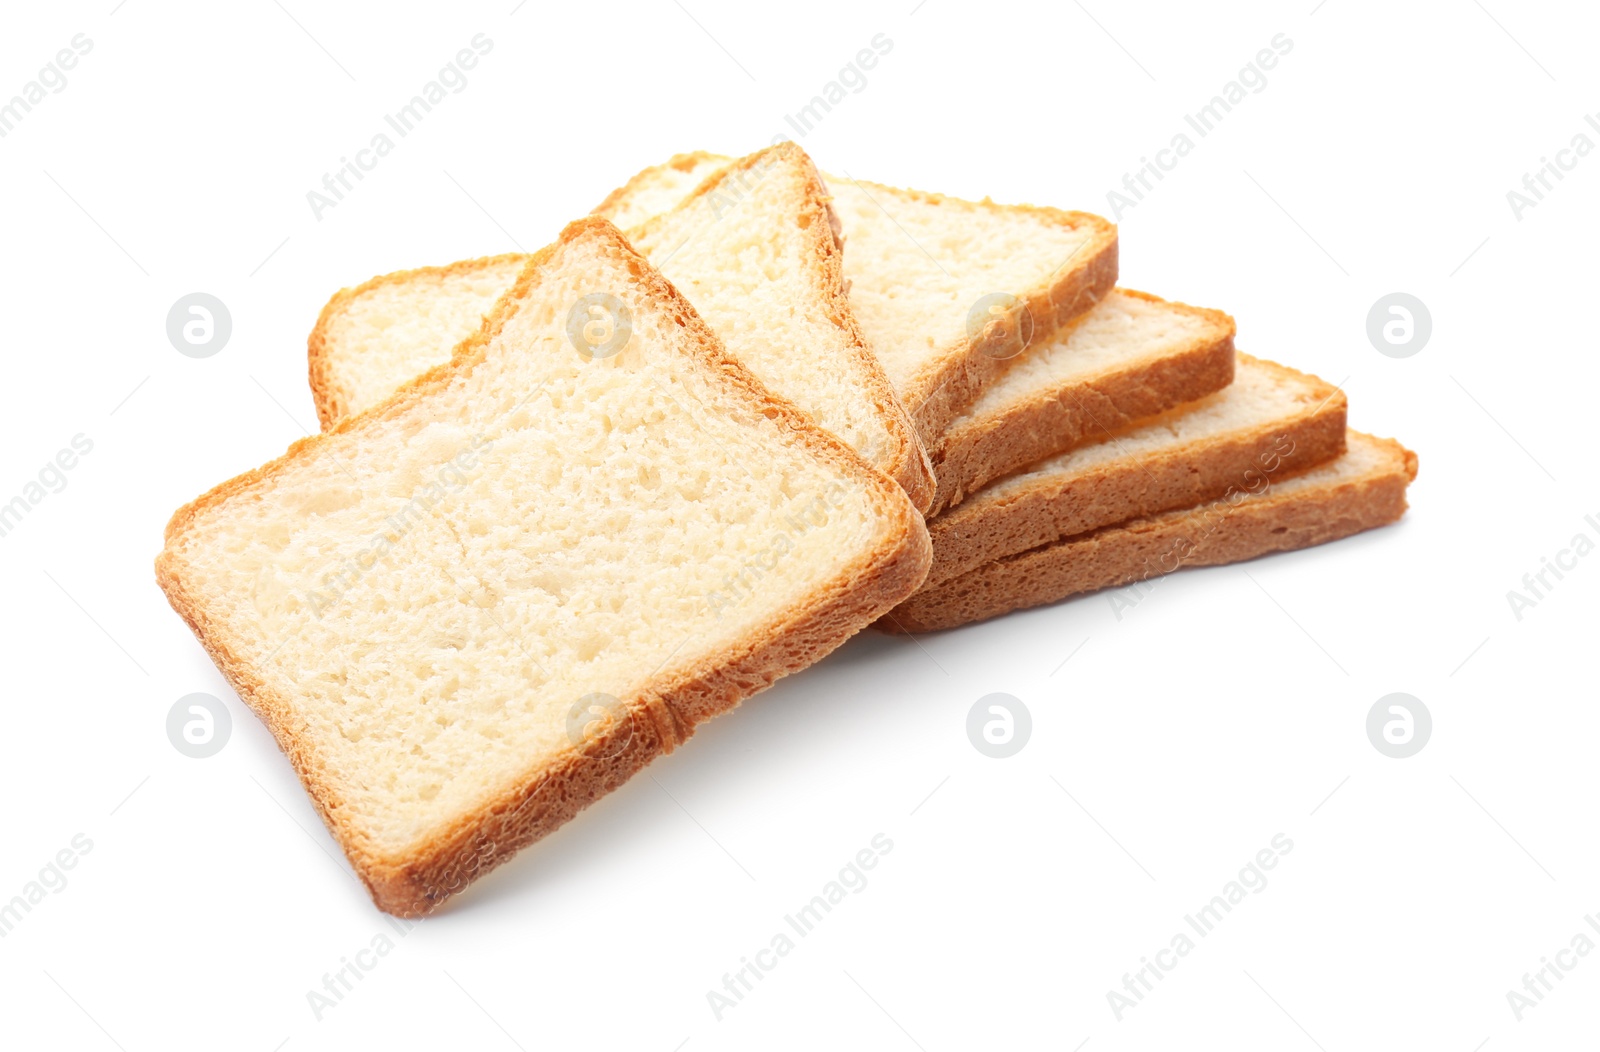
point(917, 264)
point(910, 307)
point(392, 331)
point(744, 254)
point(659, 189)
point(1260, 394)
point(431, 621)
point(1119, 330)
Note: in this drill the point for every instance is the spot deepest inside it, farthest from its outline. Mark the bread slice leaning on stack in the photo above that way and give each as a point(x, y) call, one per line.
point(948, 292)
point(756, 251)
point(472, 610)
point(1362, 489)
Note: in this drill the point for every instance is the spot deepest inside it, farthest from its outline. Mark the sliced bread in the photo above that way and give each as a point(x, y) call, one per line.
point(1271, 419)
point(1132, 356)
point(948, 292)
point(659, 188)
point(372, 339)
point(951, 292)
point(474, 609)
point(1363, 488)
point(756, 251)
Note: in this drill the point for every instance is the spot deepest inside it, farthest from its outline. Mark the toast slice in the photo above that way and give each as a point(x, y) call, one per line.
point(755, 249)
point(948, 292)
point(951, 292)
point(659, 188)
point(1362, 489)
point(472, 610)
point(370, 340)
point(1132, 356)
point(1270, 420)
point(757, 253)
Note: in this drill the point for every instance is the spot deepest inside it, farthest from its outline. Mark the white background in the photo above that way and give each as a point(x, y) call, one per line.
point(1173, 745)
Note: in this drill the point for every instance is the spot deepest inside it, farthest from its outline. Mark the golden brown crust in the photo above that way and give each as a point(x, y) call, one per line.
point(682, 162)
point(1053, 507)
point(1205, 536)
point(905, 461)
point(331, 397)
point(429, 872)
point(972, 452)
point(948, 384)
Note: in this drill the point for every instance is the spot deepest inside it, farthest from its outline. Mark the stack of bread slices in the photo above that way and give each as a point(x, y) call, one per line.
point(567, 506)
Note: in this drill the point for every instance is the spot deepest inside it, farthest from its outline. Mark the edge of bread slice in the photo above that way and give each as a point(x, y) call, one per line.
point(943, 352)
point(1360, 490)
point(406, 322)
point(951, 293)
point(409, 674)
point(735, 247)
point(1271, 419)
point(1132, 356)
point(659, 188)
point(371, 338)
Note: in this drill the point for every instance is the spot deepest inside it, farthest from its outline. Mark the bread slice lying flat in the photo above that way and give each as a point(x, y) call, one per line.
point(1270, 420)
point(474, 609)
point(1132, 356)
point(948, 292)
point(1363, 488)
point(755, 250)
point(370, 340)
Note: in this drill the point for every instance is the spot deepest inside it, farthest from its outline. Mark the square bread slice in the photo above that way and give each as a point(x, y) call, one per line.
point(1132, 356)
point(948, 292)
point(946, 339)
point(756, 251)
point(1271, 419)
point(471, 611)
point(371, 340)
point(755, 248)
point(1363, 488)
